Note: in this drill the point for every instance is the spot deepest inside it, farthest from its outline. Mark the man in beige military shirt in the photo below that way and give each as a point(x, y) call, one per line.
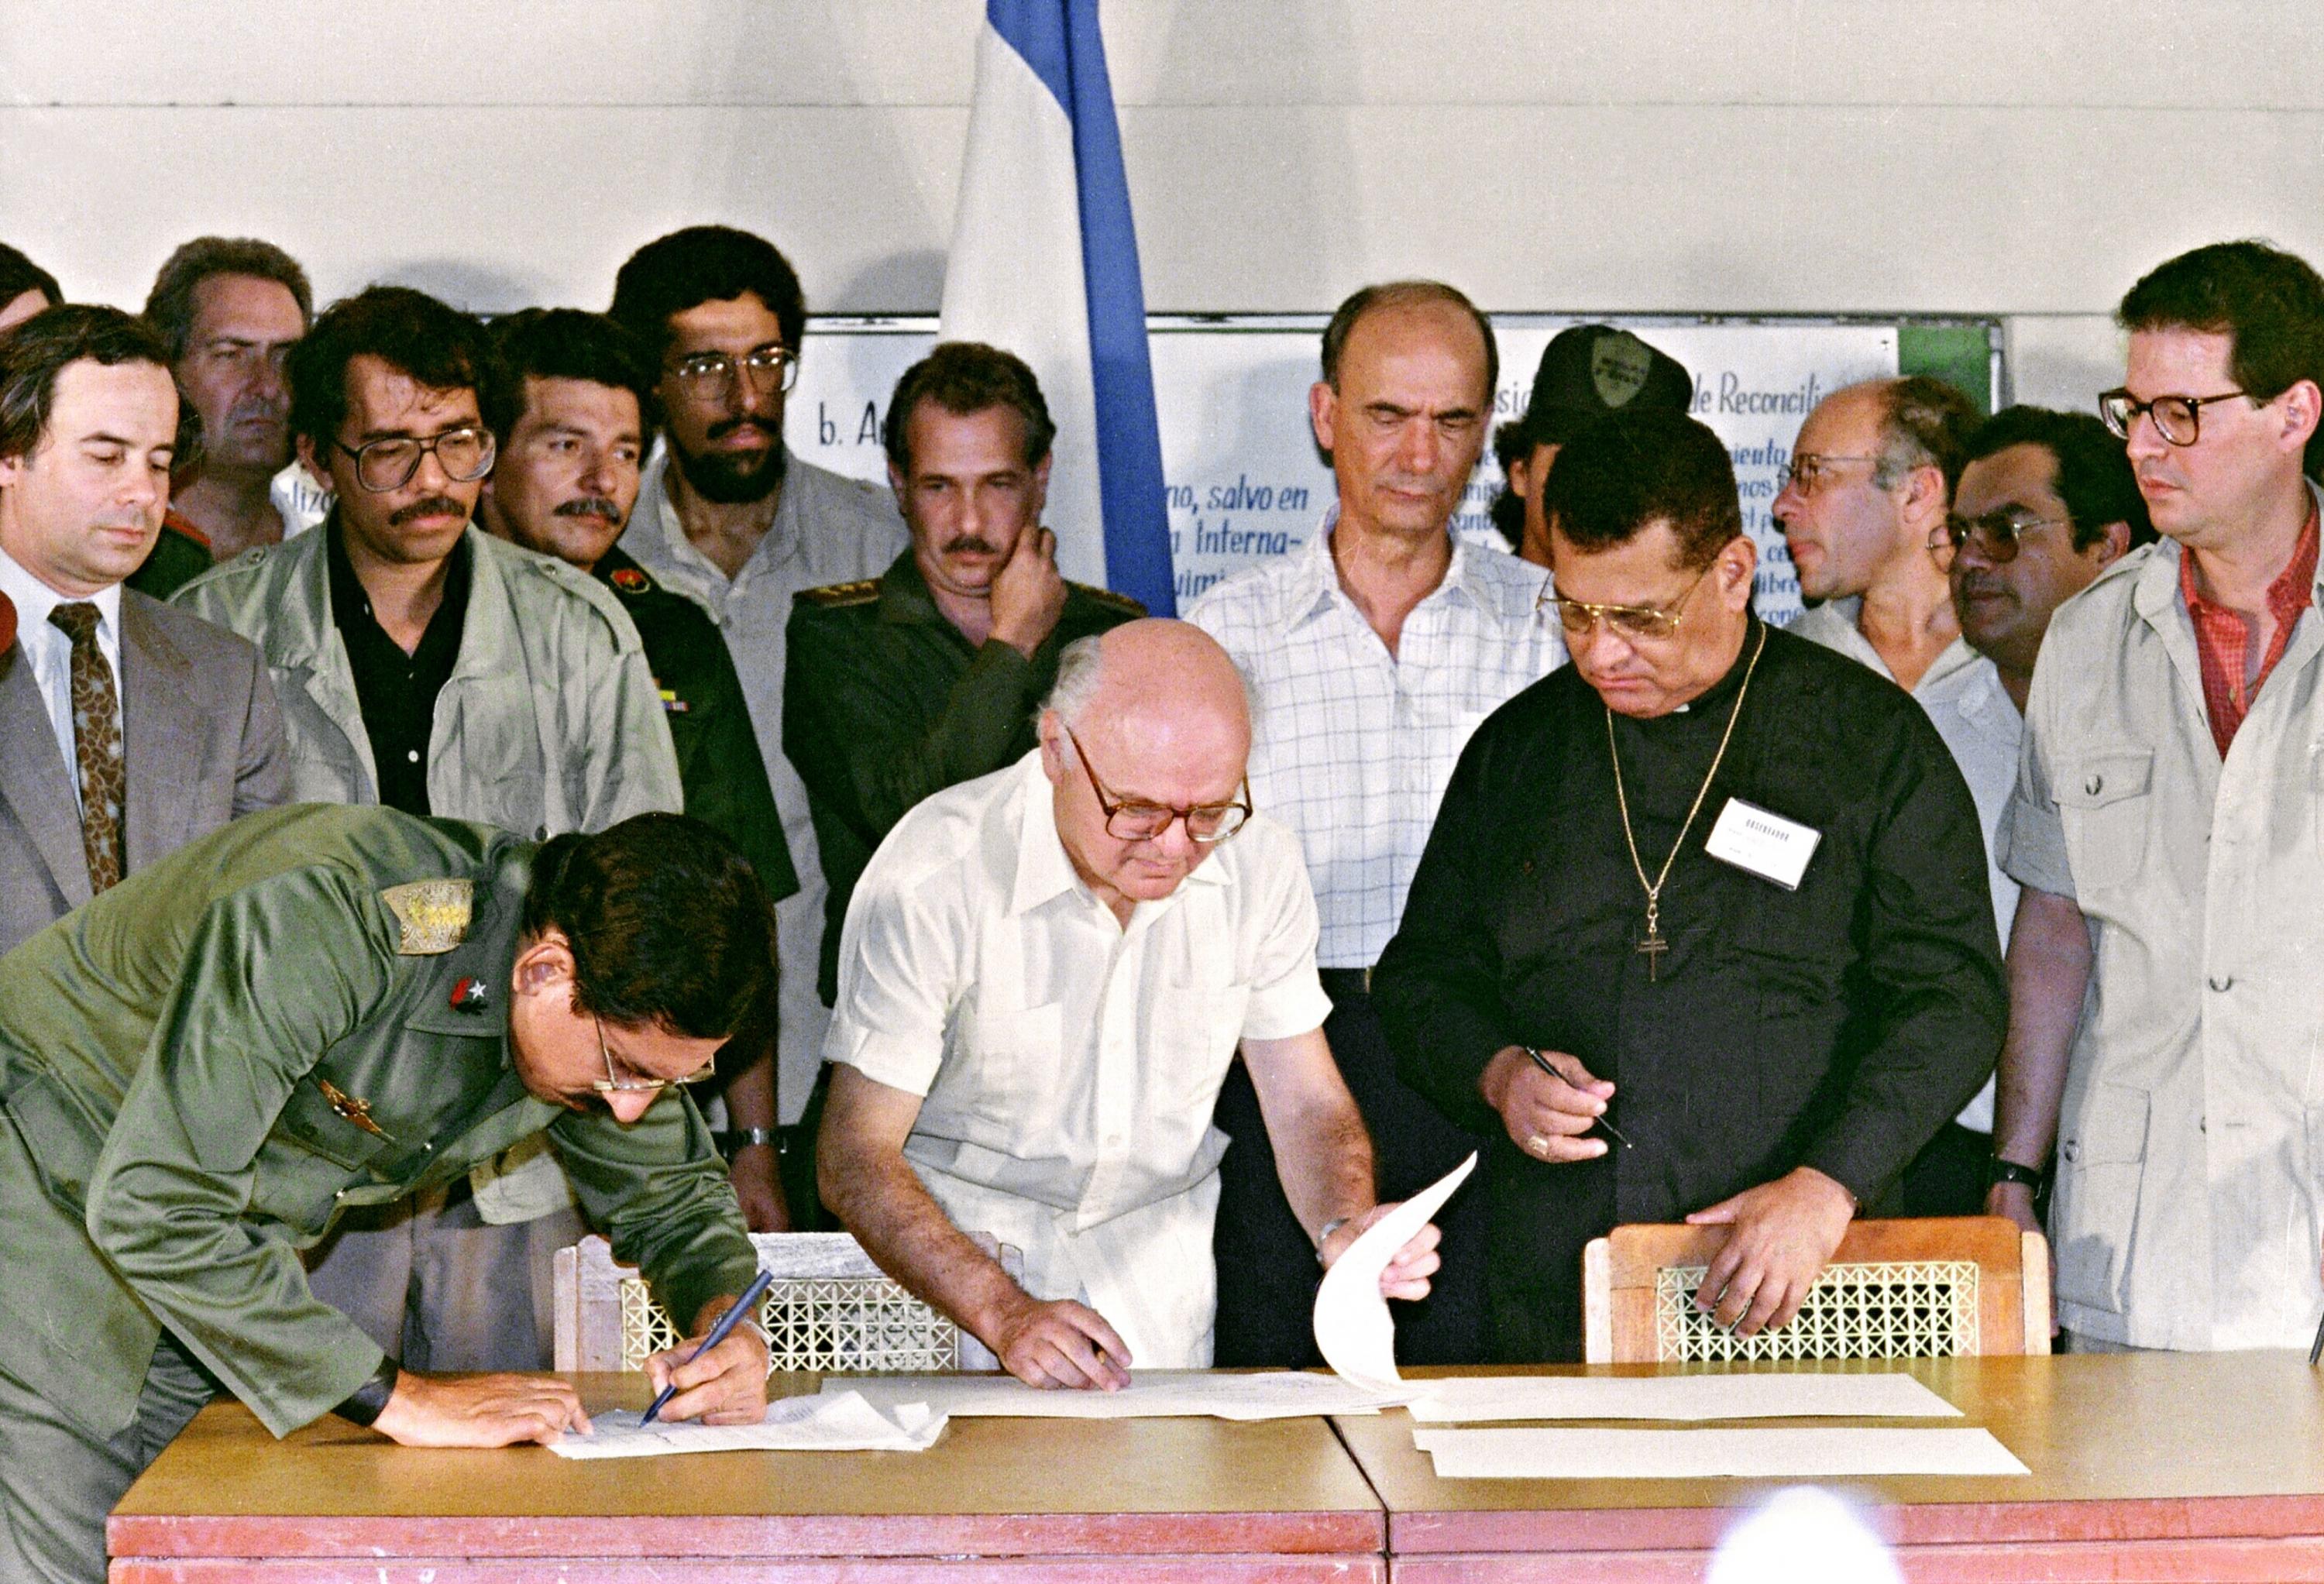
point(2163, 1009)
point(314, 1009)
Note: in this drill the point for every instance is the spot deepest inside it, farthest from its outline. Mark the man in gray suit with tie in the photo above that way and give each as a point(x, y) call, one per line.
point(127, 728)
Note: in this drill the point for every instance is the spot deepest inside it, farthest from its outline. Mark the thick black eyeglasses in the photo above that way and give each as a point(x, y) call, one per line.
point(2179, 419)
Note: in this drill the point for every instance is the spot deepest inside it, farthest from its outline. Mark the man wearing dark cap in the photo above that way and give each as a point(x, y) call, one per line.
point(1585, 371)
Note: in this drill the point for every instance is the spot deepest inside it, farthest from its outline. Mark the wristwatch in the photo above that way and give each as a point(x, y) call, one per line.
point(2000, 1171)
point(740, 1139)
point(1324, 1237)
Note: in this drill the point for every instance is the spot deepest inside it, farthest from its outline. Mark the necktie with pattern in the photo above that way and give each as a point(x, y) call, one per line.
point(96, 745)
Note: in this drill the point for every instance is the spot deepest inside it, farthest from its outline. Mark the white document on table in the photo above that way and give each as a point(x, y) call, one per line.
point(1151, 1394)
point(841, 1422)
point(1483, 1399)
point(1771, 1453)
point(1353, 1328)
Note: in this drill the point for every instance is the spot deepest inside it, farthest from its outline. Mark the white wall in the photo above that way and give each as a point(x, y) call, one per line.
point(1991, 156)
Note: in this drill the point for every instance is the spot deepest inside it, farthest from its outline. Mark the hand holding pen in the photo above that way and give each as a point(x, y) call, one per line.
point(1549, 1101)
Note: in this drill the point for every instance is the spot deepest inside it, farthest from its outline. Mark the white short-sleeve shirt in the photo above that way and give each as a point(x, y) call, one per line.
point(1069, 1062)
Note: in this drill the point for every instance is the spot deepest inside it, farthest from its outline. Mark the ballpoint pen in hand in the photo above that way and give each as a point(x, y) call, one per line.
point(1604, 1121)
point(718, 1334)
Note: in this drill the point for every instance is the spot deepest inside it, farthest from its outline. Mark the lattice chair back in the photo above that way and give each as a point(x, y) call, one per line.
point(830, 1309)
point(1931, 1287)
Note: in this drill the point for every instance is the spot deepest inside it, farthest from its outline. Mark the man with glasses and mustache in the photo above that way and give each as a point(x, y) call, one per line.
point(1702, 930)
point(427, 666)
point(729, 517)
point(1044, 974)
point(566, 402)
point(2164, 1012)
point(927, 676)
point(318, 1010)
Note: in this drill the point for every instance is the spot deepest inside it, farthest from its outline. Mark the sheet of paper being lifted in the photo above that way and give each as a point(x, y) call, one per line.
point(840, 1421)
point(1769, 1453)
point(1151, 1394)
point(1353, 1328)
point(1482, 1399)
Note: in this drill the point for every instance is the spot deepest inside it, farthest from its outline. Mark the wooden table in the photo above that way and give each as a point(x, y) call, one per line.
point(2145, 1466)
point(1051, 1501)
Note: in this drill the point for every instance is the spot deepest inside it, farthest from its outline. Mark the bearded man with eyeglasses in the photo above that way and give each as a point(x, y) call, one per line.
point(729, 517)
point(1044, 976)
point(318, 1010)
point(1702, 929)
point(424, 665)
point(2164, 1012)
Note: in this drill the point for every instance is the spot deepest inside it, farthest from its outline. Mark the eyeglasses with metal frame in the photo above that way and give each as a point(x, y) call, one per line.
point(1145, 822)
point(1996, 534)
point(386, 464)
point(2179, 419)
point(613, 1083)
point(1580, 616)
point(709, 376)
point(1809, 469)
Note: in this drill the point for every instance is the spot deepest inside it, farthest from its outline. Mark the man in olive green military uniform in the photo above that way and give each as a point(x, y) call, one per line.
point(928, 676)
point(320, 1008)
point(567, 405)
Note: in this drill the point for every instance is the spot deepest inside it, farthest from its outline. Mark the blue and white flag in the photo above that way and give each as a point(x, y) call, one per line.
point(1044, 263)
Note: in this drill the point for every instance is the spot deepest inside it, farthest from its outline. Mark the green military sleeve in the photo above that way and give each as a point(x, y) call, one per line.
point(661, 1193)
point(630, 766)
point(267, 988)
point(729, 790)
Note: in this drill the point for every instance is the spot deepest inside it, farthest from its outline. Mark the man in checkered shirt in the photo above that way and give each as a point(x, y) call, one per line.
point(1374, 651)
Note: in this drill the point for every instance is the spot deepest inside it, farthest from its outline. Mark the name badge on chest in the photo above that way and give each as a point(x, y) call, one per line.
point(1762, 843)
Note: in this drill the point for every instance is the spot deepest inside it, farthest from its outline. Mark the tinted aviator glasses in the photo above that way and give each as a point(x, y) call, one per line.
point(1996, 534)
point(2179, 419)
point(1143, 822)
point(386, 466)
point(710, 376)
point(1580, 616)
point(616, 1080)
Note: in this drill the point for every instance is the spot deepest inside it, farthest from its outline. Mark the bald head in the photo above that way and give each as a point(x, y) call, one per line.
point(1151, 712)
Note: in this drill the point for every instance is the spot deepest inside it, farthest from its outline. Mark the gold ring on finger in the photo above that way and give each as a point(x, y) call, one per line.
point(1537, 1145)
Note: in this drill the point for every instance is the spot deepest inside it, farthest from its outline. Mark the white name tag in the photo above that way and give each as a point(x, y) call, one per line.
point(1759, 843)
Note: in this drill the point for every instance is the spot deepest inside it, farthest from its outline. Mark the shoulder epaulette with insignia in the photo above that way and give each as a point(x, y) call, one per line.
point(433, 915)
point(1108, 598)
point(832, 595)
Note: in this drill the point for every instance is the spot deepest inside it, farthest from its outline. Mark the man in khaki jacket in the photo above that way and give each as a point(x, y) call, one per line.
point(425, 665)
point(2163, 1009)
point(316, 1009)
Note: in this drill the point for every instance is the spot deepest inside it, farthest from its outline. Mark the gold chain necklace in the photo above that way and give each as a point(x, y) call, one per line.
point(1654, 945)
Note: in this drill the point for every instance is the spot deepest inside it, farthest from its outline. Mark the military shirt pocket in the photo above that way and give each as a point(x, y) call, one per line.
point(2104, 805)
point(2101, 1156)
point(311, 1123)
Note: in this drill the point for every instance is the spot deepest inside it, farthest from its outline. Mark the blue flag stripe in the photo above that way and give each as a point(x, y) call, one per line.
point(1061, 41)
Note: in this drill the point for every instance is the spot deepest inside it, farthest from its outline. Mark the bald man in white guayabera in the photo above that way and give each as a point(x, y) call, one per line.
point(1044, 975)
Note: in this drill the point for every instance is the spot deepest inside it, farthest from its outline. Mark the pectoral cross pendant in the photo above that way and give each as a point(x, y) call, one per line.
point(1653, 947)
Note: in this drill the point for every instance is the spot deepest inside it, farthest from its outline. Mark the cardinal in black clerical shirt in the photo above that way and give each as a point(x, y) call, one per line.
point(1702, 928)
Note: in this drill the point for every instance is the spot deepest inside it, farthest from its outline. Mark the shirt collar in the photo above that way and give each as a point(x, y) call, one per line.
point(1315, 583)
point(34, 600)
point(904, 595)
point(2294, 588)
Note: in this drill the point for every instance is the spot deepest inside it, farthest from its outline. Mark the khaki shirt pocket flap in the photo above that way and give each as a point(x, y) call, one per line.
point(310, 1121)
point(2097, 779)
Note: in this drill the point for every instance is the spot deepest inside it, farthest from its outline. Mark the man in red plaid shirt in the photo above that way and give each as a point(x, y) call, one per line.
point(2165, 1019)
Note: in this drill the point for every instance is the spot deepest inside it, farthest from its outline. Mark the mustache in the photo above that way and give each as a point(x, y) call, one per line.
point(251, 407)
point(727, 425)
point(973, 546)
point(433, 506)
point(591, 506)
point(1980, 585)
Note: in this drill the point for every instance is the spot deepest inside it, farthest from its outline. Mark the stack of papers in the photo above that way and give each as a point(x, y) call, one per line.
point(1484, 1399)
point(1151, 1394)
point(1710, 1454)
point(834, 1421)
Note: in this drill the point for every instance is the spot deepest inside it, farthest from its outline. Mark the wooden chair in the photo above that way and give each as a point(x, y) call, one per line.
point(1932, 1287)
point(830, 1309)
